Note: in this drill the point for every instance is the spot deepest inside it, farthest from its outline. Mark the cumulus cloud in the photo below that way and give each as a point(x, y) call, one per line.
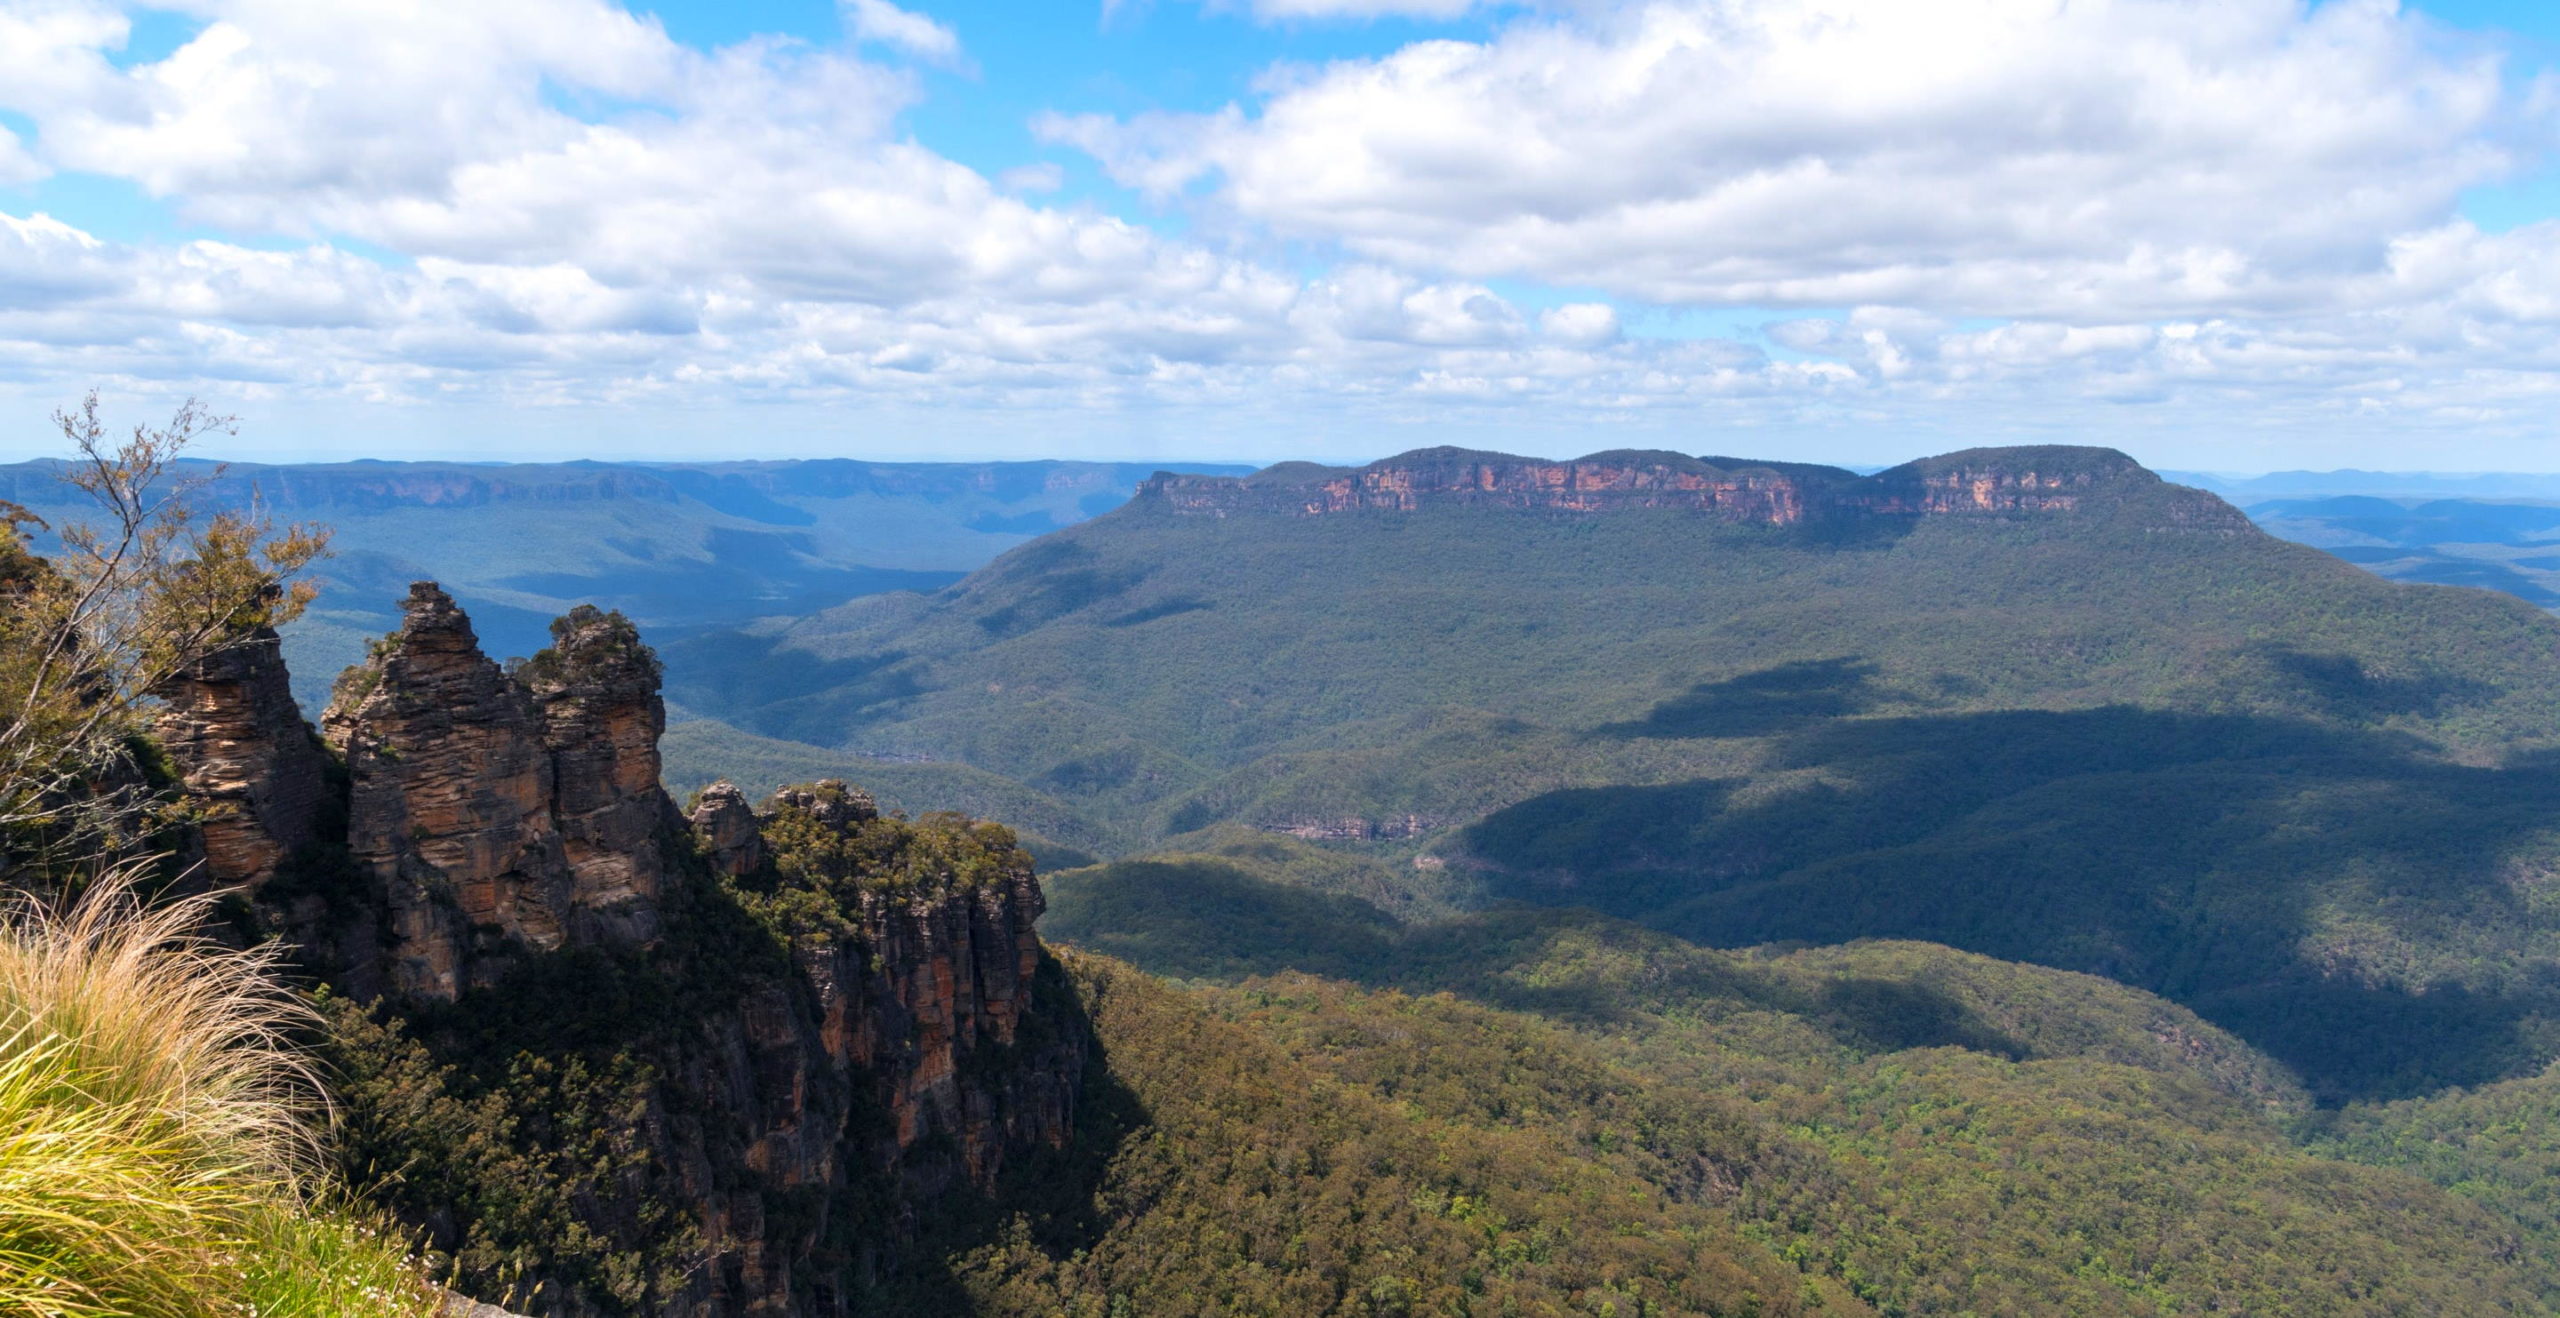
point(2101, 159)
point(16, 164)
point(917, 34)
point(2232, 215)
point(1286, 11)
point(1043, 176)
point(1584, 324)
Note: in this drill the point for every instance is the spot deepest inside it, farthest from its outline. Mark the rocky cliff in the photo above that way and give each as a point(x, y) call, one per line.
point(2041, 481)
point(818, 1019)
point(254, 773)
point(1429, 477)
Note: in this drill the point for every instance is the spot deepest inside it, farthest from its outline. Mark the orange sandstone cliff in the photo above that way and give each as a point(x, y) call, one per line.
point(1989, 482)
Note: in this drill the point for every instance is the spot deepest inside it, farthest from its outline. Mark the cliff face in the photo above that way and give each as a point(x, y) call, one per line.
point(2046, 481)
point(1434, 477)
point(595, 693)
point(249, 764)
point(892, 1064)
point(1429, 477)
point(499, 822)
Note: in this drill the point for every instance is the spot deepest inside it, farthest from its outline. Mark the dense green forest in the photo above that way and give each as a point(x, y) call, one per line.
point(1938, 1132)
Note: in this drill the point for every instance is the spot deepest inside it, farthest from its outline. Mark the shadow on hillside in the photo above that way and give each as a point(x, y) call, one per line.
point(1774, 700)
point(753, 683)
point(2343, 687)
point(1205, 918)
point(1888, 1015)
point(2267, 872)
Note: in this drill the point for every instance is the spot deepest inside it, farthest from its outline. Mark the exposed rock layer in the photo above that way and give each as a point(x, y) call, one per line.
point(496, 817)
point(1976, 482)
point(249, 763)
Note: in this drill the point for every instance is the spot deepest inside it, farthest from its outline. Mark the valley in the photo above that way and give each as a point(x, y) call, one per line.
point(2009, 882)
point(1279, 659)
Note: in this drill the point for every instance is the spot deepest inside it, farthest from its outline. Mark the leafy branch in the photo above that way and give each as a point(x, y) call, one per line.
point(124, 607)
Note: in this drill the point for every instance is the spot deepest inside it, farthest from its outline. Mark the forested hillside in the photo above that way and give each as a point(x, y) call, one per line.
point(1940, 1133)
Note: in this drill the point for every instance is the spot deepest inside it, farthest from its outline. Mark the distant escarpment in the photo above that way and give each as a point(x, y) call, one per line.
point(1993, 481)
point(610, 1057)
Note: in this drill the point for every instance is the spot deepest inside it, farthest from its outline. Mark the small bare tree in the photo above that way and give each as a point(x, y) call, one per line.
point(123, 605)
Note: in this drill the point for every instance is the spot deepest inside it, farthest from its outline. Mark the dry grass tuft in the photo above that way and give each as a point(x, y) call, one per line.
point(157, 1128)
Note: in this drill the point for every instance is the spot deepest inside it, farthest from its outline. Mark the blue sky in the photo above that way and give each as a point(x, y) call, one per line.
point(2240, 235)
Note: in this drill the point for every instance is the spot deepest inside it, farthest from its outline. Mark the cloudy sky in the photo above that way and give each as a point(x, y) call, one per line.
point(2229, 234)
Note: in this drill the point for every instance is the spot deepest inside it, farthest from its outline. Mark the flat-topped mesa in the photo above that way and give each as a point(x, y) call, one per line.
point(494, 817)
point(248, 763)
point(1602, 482)
point(1999, 482)
point(2049, 479)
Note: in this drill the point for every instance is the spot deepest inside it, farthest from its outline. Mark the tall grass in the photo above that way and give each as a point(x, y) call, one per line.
point(158, 1129)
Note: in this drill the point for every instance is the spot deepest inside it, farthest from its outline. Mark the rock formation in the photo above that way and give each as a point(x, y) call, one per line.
point(596, 690)
point(2006, 482)
point(250, 766)
point(726, 826)
point(451, 809)
point(494, 819)
point(1443, 476)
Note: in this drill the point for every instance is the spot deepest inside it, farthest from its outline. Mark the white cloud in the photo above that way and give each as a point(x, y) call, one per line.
point(1583, 324)
point(2240, 223)
point(16, 165)
point(1288, 11)
point(917, 34)
point(1041, 176)
point(2097, 159)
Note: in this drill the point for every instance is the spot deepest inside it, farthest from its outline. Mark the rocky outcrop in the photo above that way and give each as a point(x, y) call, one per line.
point(451, 805)
point(1602, 482)
point(726, 827)
point(825, 1087)
point(2013, 482)
point(596, 693)
point(897, 1055)
point(1353, 828)
point(249, 764)
point(500, 814)
point(2049, 480)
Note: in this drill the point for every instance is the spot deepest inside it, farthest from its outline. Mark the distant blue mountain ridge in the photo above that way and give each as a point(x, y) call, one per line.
point(675, 546)
point(687, 546)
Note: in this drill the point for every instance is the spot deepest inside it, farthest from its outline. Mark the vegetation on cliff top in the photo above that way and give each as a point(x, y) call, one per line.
point(515, 1123)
